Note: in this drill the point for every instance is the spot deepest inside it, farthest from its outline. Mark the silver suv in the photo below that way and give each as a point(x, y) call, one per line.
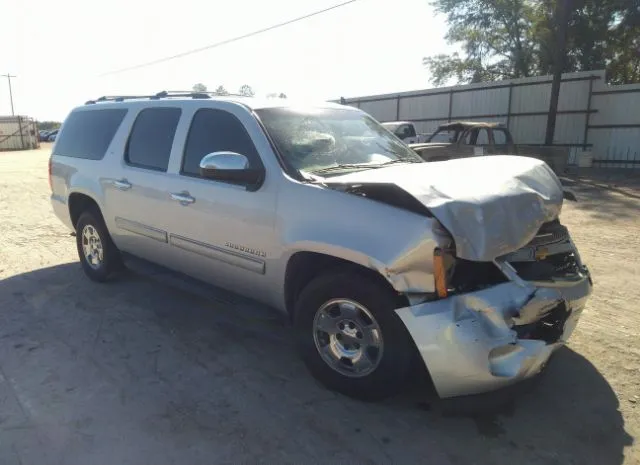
point(385, 264)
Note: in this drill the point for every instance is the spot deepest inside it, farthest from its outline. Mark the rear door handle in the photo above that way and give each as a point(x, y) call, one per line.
point(183, 197)
point(122, 184)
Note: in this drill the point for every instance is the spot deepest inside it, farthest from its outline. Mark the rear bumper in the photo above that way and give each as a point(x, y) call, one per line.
point(470, 343)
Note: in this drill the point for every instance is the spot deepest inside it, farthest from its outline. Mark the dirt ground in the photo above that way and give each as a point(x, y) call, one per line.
point(146, 370)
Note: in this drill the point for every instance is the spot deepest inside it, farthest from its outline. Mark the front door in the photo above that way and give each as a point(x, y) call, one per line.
point(221, 232)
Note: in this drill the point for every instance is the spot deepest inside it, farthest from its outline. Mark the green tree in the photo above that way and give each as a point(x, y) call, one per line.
point(276, 95)
point(220, 90)
point(199, 87)
point(48, 125)
point(246, 90)
point(503, 39)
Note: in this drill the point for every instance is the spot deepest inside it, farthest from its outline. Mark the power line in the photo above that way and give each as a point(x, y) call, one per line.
point(228, 41)
point(9, 76)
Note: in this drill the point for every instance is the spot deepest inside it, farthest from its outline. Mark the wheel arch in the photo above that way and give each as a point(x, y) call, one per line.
point(303, 266)
point(79, 202)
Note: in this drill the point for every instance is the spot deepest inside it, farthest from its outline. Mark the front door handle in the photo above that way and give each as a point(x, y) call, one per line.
point(122, 184)
point(183, 197)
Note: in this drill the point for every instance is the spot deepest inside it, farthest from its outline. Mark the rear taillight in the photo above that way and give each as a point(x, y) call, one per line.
point(440, 273)
point(50, 181)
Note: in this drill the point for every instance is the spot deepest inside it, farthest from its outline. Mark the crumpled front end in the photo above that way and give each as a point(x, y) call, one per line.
point(484, 339)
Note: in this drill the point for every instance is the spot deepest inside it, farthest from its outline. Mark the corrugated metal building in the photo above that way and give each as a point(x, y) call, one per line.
point(18, 133)
point(592, 116)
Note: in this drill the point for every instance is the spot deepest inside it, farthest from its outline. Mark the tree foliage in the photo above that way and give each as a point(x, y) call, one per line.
point(504, 39)
point(276, 95)
point(246, 90)
point(199, 87)
point(220, 90)
point(48, 125)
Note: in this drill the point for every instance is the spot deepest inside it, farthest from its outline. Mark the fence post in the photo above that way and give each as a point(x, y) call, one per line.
point(509, 105)
point(21, 135)
point(588, 118)
point(450, 104)
point(398, 108)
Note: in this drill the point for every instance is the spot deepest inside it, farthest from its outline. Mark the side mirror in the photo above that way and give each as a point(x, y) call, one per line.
point(231, 167)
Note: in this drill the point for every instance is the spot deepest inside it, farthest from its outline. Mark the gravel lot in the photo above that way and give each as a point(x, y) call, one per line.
point(148, 370)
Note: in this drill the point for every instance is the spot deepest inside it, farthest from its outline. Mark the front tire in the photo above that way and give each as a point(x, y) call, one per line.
point(98, 254)
point(350, 337)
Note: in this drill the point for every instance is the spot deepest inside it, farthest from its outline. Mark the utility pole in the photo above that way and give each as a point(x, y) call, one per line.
point(9, 76)
point(561, 19)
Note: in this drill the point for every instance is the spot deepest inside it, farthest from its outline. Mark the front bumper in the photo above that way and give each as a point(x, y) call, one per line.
point(470, 344)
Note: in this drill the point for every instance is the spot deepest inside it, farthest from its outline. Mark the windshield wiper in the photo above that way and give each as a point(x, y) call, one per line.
point(345, 166)
point(399, 160)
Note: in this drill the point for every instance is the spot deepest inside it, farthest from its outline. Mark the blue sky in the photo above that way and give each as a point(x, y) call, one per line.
point(59, 50)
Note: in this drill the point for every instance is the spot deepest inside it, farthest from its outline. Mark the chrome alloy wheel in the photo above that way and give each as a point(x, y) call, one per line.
point(92, 247)
point(348, 338)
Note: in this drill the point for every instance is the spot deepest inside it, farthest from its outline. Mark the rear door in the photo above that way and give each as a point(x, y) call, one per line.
point(135, 194)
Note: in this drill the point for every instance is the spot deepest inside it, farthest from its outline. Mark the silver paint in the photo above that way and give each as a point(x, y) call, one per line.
point(491, 206)
point(467, 341)
point(224, 161)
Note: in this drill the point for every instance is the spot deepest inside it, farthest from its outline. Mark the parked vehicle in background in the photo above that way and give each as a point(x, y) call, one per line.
point(51, 137)
point(477, 280)
point(405, 131)
point(462, 139)
point(42, 135)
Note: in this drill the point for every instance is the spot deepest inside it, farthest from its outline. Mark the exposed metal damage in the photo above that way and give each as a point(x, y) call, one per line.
point(503, 285)
point(475, 342)
point(490, 205)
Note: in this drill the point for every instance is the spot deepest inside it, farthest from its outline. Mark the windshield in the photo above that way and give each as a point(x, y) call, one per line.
point(331, 140)
point(391, 126)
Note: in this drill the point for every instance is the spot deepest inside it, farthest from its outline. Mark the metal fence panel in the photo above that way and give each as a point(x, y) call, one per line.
point(382, 110)
point(591, 115)
point(423, 107)
point(573, 96)
point(618, 108)
point(480, 102)
point(569, 128)
point(527, 99)
point(528, 129)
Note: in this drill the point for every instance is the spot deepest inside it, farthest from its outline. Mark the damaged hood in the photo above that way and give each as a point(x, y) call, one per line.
point(491, 205)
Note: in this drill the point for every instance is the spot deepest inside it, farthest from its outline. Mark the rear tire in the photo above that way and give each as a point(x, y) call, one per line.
point(350, 337)
point(99, 256)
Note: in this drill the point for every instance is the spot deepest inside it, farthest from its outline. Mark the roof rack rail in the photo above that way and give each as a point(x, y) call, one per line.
point(160, 95)
point(208, 92)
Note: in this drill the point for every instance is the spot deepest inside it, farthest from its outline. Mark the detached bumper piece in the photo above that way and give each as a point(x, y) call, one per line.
point(481, 341)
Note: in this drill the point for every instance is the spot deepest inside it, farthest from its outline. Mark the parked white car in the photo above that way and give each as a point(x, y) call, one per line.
point(406, 132)
point(385, 263)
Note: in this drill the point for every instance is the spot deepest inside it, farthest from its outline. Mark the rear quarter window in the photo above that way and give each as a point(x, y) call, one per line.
point(87, 134)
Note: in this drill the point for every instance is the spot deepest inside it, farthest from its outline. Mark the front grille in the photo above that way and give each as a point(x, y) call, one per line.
point(562, 265)
point(550, 233)
point(549, 255)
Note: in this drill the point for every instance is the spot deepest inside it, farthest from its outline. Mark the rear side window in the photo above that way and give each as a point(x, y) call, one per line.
point(500, 137)
point(151, 138)
point(483, 137)
point(87, 134)
point(216, 131)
